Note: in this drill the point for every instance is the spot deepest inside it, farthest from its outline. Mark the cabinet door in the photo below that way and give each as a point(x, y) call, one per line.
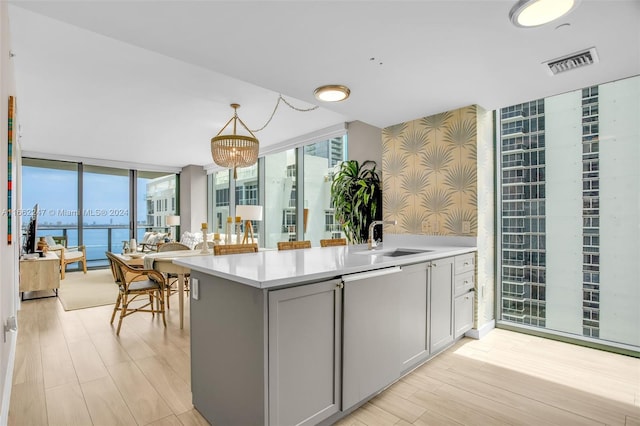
point(412, 343)
point(370, 325)
point(464, 313)
point(40, 273)
point(441, 304)
point(304, 353)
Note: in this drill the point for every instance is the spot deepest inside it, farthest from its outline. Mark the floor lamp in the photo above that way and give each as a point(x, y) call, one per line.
point(173, 221)
point(249, 213)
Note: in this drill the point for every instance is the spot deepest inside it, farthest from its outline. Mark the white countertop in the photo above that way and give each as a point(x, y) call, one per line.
point(272, 268)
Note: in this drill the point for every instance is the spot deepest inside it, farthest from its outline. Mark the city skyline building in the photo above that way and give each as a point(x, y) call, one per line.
point(569, 190)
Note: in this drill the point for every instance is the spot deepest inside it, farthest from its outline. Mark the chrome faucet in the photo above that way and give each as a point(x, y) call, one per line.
point(374, 243)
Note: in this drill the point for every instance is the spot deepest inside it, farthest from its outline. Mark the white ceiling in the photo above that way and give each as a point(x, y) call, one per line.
point(151, 81)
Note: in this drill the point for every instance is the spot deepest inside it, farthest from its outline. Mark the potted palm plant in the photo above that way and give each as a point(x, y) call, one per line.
point(357, 198)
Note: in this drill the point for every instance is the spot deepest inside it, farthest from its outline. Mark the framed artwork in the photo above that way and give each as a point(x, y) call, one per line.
point(10, 138)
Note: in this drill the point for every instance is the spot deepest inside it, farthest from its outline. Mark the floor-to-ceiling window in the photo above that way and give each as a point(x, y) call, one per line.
point(246, 191)
point(280, 221)
point(156, 199)
point(105, 211)
point(569, 213)
point(321, 161)
point(292, 185)
point(219, 199)
point(53, 185)
point(93, 205)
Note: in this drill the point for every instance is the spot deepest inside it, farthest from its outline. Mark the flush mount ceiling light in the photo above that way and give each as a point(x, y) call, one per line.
point(533, 13)
point(332, 93)
point(234, 150)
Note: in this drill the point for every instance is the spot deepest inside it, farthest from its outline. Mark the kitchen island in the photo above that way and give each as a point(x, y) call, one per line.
point(307, 336)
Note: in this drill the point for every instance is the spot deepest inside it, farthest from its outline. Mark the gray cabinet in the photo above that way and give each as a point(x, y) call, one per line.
point(370, 325)
point(412, 342)
point(307, 354)
point(385, 328)
point(441, 304)
point(262, 357)
point(464, 293)
point(463, 309)
point(304, 353)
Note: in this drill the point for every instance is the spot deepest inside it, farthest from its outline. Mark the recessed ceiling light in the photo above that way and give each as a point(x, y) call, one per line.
point(533, 13)
point(332, 93)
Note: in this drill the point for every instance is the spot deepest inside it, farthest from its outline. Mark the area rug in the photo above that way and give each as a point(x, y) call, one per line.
point(95, 288)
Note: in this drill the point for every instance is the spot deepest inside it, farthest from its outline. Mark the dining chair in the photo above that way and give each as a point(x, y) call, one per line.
point(198, 246)
point(333, 242)
point(173, 278)
point(173, 246)
point(293, 245)
point(131, 286)
point(68, 255)
point(222, 249)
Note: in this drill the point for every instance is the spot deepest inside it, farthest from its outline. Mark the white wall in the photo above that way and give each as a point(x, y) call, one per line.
point(564, 212)
point(486, 220)
point(8, 253)
point(193, 198)
point(364, 142)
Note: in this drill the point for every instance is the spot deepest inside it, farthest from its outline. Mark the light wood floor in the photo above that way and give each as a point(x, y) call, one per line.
point(71, 369)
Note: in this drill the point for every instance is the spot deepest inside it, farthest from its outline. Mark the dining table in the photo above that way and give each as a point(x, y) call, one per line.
point(163, 263)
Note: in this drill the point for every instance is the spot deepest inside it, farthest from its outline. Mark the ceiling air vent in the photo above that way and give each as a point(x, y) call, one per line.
point(572, 61)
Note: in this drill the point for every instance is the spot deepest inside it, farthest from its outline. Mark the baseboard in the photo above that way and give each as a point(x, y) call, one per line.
point(482, 331)
point(8, 380)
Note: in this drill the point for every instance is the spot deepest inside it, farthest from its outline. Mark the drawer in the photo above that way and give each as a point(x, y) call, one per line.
point(465, 263)
point(464, 283)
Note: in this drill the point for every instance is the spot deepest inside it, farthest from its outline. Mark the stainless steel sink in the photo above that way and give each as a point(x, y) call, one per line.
point(404, 252)
point(395, 252)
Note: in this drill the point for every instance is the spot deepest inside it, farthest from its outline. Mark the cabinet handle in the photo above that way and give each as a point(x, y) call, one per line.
point(371, 274)
point(340, 285)
point(466, 263)
point(434, 264)
point(466, 282)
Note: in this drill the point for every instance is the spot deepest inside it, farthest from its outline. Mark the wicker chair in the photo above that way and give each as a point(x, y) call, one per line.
point(293, 245)
point(69, 255)
point(198, 246)
point(173, 278)
point(333, 242)
point(131, 285)
point(172, 247)
point(221, 249)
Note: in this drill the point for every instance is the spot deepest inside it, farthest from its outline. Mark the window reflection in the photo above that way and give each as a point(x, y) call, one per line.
point(321, 162)
point(280, 222)
point(156, 200)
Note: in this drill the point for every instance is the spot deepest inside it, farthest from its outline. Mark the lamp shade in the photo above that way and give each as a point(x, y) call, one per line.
point(173, 220)
point(233, 150)
point(249, 212)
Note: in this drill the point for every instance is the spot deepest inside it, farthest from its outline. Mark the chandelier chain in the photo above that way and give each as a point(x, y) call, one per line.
point(280, 98)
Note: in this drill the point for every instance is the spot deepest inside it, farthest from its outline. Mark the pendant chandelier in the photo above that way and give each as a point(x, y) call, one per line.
point(233, 150)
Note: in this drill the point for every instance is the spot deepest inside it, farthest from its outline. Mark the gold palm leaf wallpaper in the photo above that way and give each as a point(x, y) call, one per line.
point(429, 174)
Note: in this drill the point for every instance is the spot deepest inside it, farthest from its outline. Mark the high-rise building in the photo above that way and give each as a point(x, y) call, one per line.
point(160, 200)
point(590, 213)
point(522, 178)
point(569, 200)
